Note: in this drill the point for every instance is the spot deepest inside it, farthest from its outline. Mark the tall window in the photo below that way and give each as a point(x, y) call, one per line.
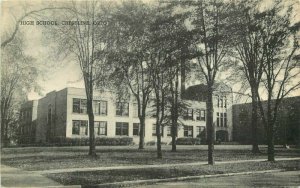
point(199, 130)
point(96, 107)
point(103, 107)
point(189, 114)
point(225, 119)
point(201, 115)
point(49, 118)
point(122, 109)
point(80, 127)
point(221, 119)
point(218, 100)
point(136, 129)
point(135, 110)
point(154, 130)
point(169, 132)
point(122, 129)
point(218, 119)
point(225, 102)
point(83, 106)
point(188, 131)
point(100, 128)
point(79, 106)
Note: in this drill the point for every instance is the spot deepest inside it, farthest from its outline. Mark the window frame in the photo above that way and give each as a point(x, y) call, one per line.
point(186, 130)
point(121, 127)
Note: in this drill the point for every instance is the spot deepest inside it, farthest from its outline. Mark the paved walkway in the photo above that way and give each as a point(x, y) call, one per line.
point(152, 166)
point(13, 177)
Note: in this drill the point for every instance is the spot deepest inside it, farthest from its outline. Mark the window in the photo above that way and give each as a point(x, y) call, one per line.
point(100, 128)
point(199, 130)
point(221, 119)
point(221, 102)
point(103, 107)
point(80, 127)
point(79, 106)
point(218, 119)
point(154, 130)
point(188, 131)
point(122, 109)
point(122, 129)
point(218, 100)
point(136, 129)
point(189, 114)
point(96, 108)
point(225, 102)
point(201, 115)
point(225, 119)
point(169, 132)
point(83, 106)
point(49, 117)
point(135, 110)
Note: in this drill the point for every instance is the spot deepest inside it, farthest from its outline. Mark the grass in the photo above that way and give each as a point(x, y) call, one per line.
point(46, 158)
point(110, 176)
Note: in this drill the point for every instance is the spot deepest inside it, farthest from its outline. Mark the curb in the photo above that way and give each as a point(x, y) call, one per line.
point(151, 181)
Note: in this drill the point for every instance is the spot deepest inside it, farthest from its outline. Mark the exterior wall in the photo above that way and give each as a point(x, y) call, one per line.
point(60, 124)
point(51, 125)
point(287, 126)
point(28, 117)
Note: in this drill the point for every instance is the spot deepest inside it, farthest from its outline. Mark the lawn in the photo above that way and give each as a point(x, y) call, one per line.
point(45, 158)
point(109, 176)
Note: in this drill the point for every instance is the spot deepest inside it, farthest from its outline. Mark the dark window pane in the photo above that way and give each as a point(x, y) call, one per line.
point(103, 107)
point(76, 105)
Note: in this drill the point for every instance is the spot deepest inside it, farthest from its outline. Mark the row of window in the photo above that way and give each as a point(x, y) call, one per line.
point(222, 101)
point(122, 109)
point(188, 131)
point(80, 106)
point(100, 107)
point(80, 127)
point(221, 119)
point(191, 113)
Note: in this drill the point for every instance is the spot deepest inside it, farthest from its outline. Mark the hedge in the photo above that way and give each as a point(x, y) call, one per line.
point(99, 141)
point(188, 141)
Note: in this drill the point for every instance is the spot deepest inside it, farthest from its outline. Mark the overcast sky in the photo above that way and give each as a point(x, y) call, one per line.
point(58, 74)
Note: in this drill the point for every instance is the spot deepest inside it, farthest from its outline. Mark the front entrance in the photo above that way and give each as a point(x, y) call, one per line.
point(222, 136)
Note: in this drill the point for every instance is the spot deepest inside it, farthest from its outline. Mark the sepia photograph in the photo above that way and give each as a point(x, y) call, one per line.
point(150, 93)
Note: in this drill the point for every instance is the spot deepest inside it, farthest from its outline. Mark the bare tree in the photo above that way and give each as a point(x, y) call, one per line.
point(85, 40)
point(248, 45)
point(130, 55)
point(18, 77)
point(212, 45)
point(281, 67)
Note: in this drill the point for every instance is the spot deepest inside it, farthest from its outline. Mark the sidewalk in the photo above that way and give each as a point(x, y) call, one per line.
point(152, 166)
point(13, 177)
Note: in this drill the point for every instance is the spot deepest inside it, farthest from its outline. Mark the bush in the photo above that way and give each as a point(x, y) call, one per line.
point(188, 141)
point(153, 143)
point(99, 141)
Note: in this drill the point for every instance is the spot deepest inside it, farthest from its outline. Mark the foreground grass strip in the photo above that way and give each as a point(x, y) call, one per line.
point(121, 175)
point(151, 181)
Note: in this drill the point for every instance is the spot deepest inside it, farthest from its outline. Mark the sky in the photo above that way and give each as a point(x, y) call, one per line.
point(58, 74)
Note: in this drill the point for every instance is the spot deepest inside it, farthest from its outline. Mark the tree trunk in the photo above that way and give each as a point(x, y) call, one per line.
point(174, 133)
point(92, 149)
point(270, 137)
point(209, 125)
point(255, 148)
point(159, 153)
point(142, 131)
